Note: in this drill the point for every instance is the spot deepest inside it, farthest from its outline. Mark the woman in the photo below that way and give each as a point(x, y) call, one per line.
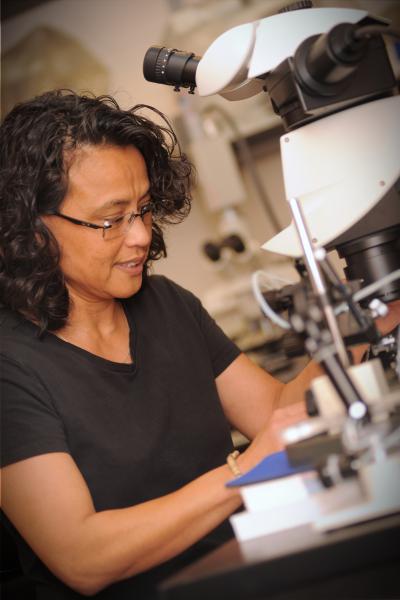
point(117, 386)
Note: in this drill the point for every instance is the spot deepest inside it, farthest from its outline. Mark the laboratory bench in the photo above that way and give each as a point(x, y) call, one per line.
point(357, 562)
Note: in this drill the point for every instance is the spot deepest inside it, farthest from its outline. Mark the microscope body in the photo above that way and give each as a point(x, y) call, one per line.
point(329, 78)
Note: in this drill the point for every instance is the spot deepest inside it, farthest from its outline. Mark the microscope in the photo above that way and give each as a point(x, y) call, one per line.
point(328, 75)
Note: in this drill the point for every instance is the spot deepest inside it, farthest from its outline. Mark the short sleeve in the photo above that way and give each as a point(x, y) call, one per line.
point(222, 349)
point(29, 422)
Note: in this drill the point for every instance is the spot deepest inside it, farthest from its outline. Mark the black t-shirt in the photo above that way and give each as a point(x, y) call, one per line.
point(135, 431)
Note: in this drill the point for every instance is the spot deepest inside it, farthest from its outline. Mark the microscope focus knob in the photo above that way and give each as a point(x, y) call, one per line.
point(296, 6)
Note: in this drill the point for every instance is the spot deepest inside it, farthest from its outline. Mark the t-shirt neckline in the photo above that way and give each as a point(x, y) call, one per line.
point(115, 366)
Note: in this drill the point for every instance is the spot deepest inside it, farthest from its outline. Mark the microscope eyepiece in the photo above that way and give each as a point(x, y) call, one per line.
point(171, 67)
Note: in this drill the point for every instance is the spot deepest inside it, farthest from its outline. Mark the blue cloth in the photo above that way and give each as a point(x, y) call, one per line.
point(271, 467)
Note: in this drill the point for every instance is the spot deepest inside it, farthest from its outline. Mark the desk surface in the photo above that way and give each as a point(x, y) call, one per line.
point(363, 561)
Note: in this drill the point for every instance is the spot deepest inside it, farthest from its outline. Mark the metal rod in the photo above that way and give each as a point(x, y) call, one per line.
point(316, 279)
point(362, 320)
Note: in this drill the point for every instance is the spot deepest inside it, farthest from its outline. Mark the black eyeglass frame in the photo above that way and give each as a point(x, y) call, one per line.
point(106, 225)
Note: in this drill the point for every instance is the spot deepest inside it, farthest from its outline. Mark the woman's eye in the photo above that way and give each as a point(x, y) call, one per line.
point(115, 221)
point(148, 207)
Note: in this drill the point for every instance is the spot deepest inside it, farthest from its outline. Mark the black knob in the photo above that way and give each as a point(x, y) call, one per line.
point(311, 404)
point(234, 242)
point(212, 251)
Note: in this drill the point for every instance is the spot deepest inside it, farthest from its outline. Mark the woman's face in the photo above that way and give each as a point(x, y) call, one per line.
point(104, 182)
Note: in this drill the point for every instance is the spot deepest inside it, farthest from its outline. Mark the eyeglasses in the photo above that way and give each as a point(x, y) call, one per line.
point(116, 226)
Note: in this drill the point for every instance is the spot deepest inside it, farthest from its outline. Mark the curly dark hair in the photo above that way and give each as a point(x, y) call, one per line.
point(36, 138)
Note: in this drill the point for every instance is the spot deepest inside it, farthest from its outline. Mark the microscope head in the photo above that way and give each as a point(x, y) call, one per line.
point(329, 78)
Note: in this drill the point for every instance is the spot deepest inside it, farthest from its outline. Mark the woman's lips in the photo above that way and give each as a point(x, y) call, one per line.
point(131, 267)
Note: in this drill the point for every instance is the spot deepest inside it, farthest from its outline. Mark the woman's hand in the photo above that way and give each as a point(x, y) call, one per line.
point(268, 440)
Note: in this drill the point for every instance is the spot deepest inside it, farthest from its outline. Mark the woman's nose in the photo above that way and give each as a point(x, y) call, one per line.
point(138, 233)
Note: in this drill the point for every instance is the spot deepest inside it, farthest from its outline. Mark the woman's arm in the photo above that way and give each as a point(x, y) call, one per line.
point(249, 395)
point(48, 501)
